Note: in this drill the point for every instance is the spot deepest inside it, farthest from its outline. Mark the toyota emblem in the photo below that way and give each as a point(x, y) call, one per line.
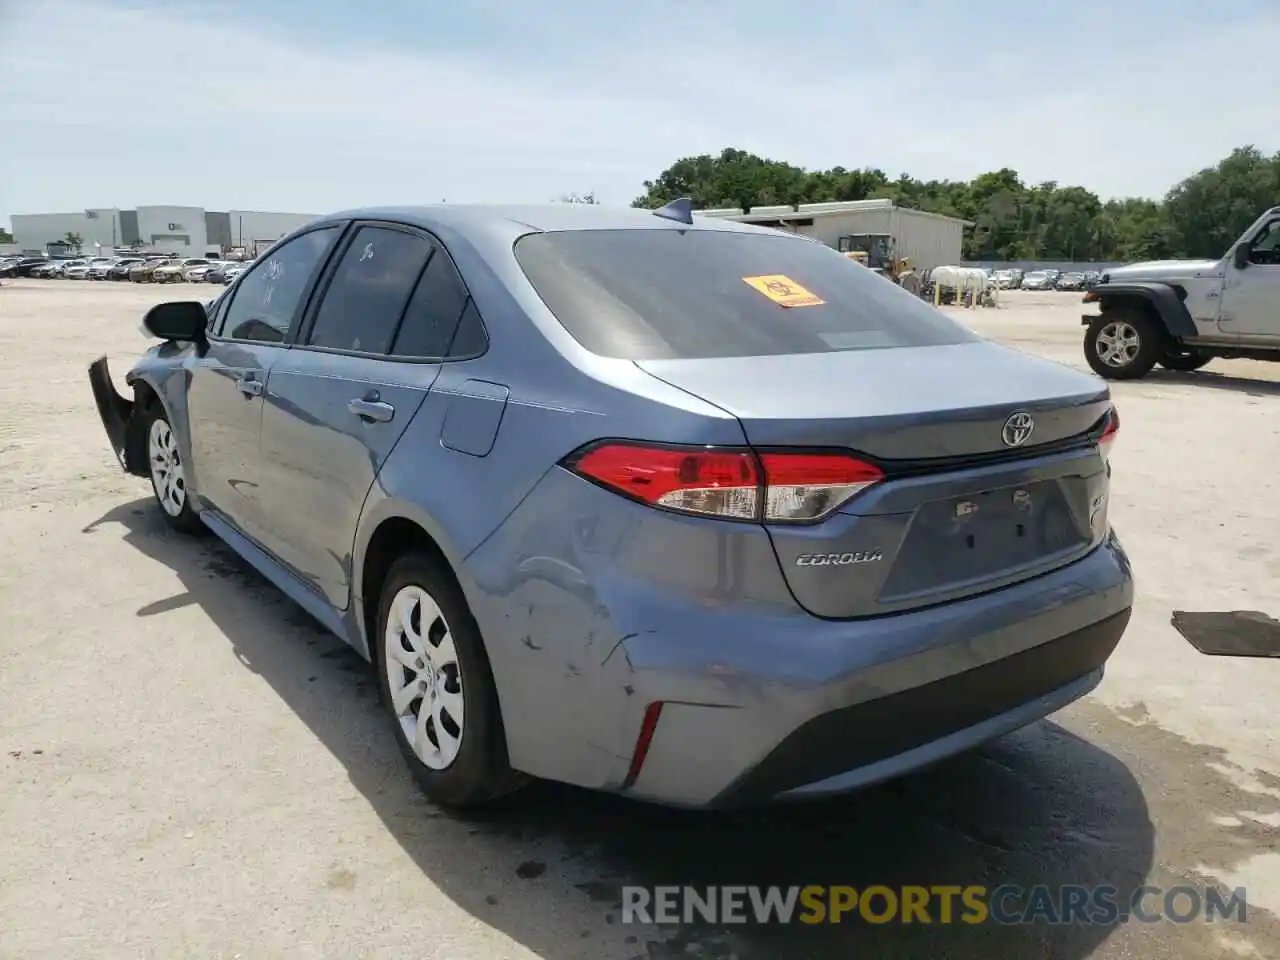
point(1018, 429)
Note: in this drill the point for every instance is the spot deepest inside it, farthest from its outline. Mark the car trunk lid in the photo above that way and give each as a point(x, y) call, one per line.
point(901, 404)
point(960, 510)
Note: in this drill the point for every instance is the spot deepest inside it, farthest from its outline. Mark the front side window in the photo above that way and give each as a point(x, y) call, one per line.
point(369, 290)
point(650, 294)
point(266, 298)
point(1266, 248)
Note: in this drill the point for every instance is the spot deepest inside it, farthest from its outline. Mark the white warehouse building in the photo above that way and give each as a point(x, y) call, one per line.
point(184, 231)
point(929, 239)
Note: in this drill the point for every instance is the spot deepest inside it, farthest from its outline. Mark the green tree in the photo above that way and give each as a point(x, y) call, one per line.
point(1139, 229)
point(1208, 211)
point(5, 236)
point(73, 240)
point(733, 179)
point(1199, 217)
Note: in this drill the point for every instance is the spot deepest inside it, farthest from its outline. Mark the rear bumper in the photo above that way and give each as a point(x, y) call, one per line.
point(591, 613)
point(879, 698)
point(854, 746)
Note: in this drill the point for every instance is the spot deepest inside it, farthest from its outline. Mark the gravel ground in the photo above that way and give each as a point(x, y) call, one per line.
point(188, 768)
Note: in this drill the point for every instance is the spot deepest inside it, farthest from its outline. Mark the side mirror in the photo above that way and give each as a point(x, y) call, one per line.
point(1240, 256)
point(183, 321)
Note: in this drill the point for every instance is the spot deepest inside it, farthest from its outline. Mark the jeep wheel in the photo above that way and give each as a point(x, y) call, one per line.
point(1122, 345)
point(1184, 362)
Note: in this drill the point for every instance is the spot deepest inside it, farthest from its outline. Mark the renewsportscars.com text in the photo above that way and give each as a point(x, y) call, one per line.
point(1006, 904)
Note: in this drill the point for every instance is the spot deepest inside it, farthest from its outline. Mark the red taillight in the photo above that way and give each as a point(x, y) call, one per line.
point(713, 482)
point(1109, 433)
point(735, 484)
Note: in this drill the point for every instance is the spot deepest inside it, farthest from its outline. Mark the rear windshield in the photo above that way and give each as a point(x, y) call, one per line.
point(658, 294)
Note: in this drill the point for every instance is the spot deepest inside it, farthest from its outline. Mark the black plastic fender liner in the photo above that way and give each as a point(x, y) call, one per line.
point(1169, 306)
point(115, 411)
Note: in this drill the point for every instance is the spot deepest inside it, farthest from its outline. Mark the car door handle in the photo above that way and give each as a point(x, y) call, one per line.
point(371, 410)
point(249, 386)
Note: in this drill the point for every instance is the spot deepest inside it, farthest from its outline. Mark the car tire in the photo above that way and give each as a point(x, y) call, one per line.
point(430, 658)
point(167, 472)
point(1123, 345)
point(1184, 362)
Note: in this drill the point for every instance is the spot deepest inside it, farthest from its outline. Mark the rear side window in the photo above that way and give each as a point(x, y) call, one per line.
point(369, 290)
point(434, 311)
point(470, 340)
point(661, 293)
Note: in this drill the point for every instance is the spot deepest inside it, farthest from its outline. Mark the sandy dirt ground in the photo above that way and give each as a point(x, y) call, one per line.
point(189, 768)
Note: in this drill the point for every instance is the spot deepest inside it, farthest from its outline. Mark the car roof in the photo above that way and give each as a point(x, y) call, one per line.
point(517, 220)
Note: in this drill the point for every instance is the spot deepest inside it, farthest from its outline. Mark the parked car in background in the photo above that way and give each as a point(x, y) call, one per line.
point(120, 269)
point(1037, 280)
point(142, 272)
point(27, 265)
point(174, 271)
point(703, 593)
point(1004, 279)
point(217, 273)
point(1070, 281)
point(8, 268)
point(56, 269)
point(229, 275)
point(197, 272)
point(81, 270)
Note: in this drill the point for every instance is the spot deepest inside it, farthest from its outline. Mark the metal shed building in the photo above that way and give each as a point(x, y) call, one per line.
point(929, 239)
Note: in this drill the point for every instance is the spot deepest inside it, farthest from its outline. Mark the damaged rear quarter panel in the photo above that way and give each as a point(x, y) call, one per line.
point(592, 607)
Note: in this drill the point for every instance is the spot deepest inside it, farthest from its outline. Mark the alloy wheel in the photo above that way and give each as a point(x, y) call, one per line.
point(424, 677)
point(167, 474)
point(1118, 343)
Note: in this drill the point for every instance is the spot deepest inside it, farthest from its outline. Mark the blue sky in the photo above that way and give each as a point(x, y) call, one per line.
point(311, 106)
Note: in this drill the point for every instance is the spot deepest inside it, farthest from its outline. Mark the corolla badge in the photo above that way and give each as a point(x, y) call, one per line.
point(1018, 429)
point(838, 559)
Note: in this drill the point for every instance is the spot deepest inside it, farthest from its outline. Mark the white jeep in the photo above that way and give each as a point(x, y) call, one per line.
point(1183, 313)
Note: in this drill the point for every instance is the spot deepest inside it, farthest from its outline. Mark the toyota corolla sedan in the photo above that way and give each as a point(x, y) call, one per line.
point(696, 512)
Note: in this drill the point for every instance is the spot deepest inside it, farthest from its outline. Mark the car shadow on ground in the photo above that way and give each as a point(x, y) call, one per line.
point(1216, 381)
point(1039, 807)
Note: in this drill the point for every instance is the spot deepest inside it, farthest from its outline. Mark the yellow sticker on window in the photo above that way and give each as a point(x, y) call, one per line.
point(783, 291)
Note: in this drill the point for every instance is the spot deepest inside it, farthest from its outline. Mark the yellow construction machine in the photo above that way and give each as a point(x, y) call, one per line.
point(875, 251)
